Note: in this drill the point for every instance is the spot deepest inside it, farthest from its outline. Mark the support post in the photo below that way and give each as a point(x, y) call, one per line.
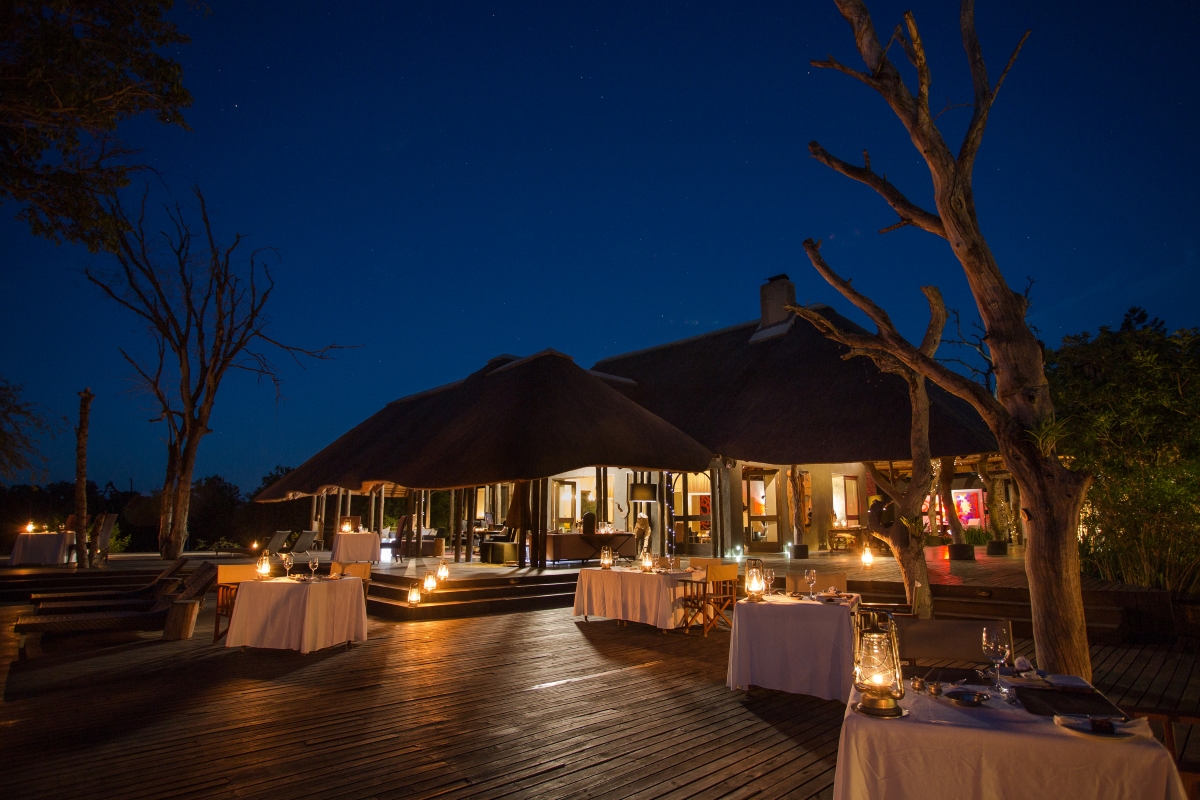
point(312, 514)
point(371, 509)
point(453, 524)
point(472, 513)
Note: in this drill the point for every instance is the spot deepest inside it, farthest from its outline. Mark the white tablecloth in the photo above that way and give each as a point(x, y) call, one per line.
point(41, 548)
point(291, 615)
point(355, 547)
point(942, 751)
point(796, 646)
point(631, 595)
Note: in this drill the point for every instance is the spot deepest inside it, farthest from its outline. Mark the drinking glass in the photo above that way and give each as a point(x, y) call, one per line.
point(997, 649)
point(810, 577)
point(313, 563)
point(769, 580)
point(288, 562)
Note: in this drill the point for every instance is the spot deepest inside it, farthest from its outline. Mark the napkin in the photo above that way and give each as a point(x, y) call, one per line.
point(1022, 664)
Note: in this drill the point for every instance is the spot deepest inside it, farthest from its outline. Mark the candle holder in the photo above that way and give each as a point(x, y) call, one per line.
point(414, 595)
point(606, 558)
point(443, 570)
point(877, 665)
point(430, 581)
point(756, 584)
point(868, 558)
point(647, 561)
point(264, 566)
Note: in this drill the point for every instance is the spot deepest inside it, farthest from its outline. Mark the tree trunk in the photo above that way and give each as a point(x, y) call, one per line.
point(183, 497)
point(946, 495)
point(909, 550)
point(166, 500)
point(81, 438)
point(991, 499)
point(795, 504)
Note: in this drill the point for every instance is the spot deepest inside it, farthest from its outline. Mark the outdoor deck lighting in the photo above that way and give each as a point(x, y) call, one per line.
point(647, 561)
point(868, 558)
point(29, 527)
point(430, 581)
point(264, 565)
point(414, 595)
point(877, 665)
point(443, 571)
point(756, 585)
point(606, 558)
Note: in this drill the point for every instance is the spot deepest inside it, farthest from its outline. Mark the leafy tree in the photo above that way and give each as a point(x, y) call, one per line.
point(270, 478)
point(70, 72)
point(214, 502)
point(19, 425)
point(1130, 404)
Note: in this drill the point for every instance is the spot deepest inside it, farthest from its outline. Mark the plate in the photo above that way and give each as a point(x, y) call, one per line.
point(967, 698)
point(1083, 727)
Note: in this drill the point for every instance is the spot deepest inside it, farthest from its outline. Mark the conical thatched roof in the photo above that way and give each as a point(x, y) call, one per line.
point(785, 395)
point(515, 419)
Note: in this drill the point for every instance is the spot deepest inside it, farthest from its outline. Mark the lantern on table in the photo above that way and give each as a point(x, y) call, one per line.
point(345, 526)
point(756, 584)
point(606, 558)
point(430, 581)
point(877, 665)
point(647, 561)
point(264, 565)
point(868, 558)
point(443, 570)
point(29, 527)
point(414, 595)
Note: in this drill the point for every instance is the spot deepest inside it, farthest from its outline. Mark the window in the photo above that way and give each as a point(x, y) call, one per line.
point(760, 515)
point(564, 504)
point(693, 506)
point(845, 500)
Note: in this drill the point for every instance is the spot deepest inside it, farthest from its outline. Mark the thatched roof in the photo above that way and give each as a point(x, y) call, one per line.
point(515, 419)
point(784, 395)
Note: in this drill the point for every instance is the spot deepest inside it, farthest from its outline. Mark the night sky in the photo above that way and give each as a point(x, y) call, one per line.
point(450, 181)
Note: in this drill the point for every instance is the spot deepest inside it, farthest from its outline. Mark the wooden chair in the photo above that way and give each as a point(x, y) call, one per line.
point(945, 639)
point(711, 598)
point(1189, 771)
point(795, 582)
point(105, 536)
point(304, 542)
point(228, 578)
point(704, 562)
point(357, 569)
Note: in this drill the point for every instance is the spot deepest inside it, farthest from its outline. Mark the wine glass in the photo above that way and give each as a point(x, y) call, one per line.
point(313, 563)
point(769, 580)
point(288, 562)
point(810, 577)
point(997, 648)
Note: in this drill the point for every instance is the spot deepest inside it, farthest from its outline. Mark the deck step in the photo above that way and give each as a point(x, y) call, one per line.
point(459, 593)
point(18, 584)
point(402, 610)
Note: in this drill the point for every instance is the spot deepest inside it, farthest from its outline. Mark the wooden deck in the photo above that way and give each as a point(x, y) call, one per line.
point(520, 705)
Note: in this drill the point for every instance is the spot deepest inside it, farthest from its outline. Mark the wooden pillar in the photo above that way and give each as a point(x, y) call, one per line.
point(472, 512)
point(662, 513)
point(321, 525)
point(544, 516)
point(535, 521)
point(599, 495)
point(371, 509)
point(312, 514)
point(455, 529)
point(523, 498)
point(714, 510)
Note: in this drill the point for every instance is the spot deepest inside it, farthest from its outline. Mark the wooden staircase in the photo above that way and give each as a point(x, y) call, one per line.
point(387, 596)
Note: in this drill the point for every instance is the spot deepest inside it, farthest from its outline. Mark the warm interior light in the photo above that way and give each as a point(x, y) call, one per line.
point(414, 594)
point(868, 558)
point(430, 581)
point(29, 527)
point(443, 571)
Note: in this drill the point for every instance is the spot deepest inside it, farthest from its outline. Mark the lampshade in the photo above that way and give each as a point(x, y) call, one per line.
point(643, 493)
point(877, 665)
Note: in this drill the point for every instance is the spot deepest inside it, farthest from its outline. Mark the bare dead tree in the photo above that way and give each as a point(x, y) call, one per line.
point(1021, 414)
point(206, 317)
point(905, 535)
point(983, 369)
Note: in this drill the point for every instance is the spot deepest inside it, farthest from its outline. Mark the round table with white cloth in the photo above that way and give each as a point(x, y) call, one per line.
point(653, 598)
point(355, 547)
point(793, 645)
point(942, 752)
point(41, 548)
point(287, 614)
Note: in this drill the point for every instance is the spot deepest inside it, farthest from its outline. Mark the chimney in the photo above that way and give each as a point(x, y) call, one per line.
point(777, 292)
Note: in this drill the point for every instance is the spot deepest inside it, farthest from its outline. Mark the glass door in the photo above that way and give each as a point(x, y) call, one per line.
point(760, 512)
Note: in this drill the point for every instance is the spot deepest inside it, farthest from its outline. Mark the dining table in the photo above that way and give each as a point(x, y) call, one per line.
point(42, 548)
point(941, 751)
point(302, 613)
point(631, 595)
point(793, 644)
point(359, 546)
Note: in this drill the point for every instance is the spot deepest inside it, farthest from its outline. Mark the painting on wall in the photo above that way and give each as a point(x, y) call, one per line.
point(969, 504)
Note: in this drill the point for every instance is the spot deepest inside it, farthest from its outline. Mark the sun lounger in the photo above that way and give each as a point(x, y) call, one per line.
point(151, 589)
point(155, 619)
point(104, 537)
point(304, 542)
point(273, 546)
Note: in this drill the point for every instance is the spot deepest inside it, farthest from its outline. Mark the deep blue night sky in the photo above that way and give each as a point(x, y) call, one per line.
point(450, 181)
